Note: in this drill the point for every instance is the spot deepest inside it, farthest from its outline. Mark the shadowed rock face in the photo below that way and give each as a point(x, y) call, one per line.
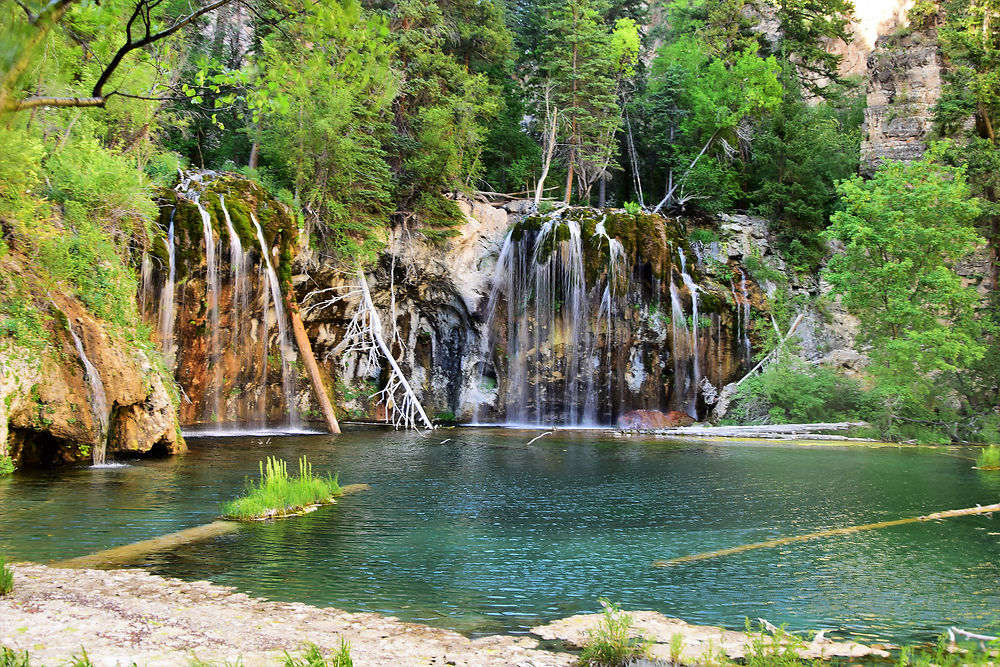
point(904, 85)
point(458, 357)
point(46, 416)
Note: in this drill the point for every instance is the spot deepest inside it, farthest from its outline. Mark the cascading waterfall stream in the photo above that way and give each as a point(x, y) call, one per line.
point(743, 319)
point(691, 406)
point(98, 401)
point(553, 322)
point(284, 345)
point(238, 269)
point(212, 289)
point(167, 314)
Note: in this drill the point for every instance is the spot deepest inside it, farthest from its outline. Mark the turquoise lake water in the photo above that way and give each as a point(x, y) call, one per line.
point(476, 530)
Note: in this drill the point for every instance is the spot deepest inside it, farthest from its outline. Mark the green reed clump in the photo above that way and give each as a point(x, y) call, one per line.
point(279, 494)
point(989, 457)
point(312, 656)
point(6, 577)
point(612, 643)
point(11, 658)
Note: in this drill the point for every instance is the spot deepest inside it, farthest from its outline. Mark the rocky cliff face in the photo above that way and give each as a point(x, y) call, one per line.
point(47, 411)
point(461, 357)
point(904, 84)
point(572, 318)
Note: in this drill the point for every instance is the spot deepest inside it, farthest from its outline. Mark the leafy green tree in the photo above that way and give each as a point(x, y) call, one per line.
point(799, 151)
point(970, 39)
point(445, 104)
point(805, 28)
point(578, 72)
point(321, 103)
point(902, 232)
point(710, 100)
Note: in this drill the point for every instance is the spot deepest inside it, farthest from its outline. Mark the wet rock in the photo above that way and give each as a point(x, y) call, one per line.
point(648, 420)
point(46, 414)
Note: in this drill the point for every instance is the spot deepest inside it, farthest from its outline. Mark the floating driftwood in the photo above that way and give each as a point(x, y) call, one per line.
point(702, 644)
point(978, 509)
point(770, 431)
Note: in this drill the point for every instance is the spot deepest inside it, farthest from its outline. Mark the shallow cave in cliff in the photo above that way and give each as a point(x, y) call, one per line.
point(40, 448)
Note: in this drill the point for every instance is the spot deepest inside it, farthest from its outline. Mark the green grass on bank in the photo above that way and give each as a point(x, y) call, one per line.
point(6, 577)
point(277, 494)
point(310, 656)
point(989, 457)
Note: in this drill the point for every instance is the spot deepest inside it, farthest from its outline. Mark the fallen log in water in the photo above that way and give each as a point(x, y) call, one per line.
point(778, 431)
point(978, 509)
point(130, 553)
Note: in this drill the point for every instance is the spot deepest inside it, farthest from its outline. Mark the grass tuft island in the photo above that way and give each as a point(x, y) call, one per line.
point(278, 495)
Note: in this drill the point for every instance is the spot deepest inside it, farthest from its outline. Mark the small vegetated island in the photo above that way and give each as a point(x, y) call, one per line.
point(278, 495)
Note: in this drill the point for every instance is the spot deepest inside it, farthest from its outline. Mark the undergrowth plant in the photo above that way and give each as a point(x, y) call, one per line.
point(312, 656)
point(6, 577)
point(11, 658)
point(613, 643)
point(6, 465)
point(988, 458)
point(278, 494)
point(778, 650)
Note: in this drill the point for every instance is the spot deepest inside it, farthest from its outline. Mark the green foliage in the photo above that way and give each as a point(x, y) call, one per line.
point(613, 643)
point(82, 660)
point(632, 208)
point(11, 658)
point(779, 649)
point(792, 391)
point(702, 235)
point(277, 494)
point(6, 577)
point(989, 457)
point(321, 121)
point(902, 233)
point(800, 151)
point(6, 465)
point(312, 656)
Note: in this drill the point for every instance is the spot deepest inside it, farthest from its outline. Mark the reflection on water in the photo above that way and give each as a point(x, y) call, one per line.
point(475, 530)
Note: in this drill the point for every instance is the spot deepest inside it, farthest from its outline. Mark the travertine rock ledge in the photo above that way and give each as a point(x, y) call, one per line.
point(121, 616)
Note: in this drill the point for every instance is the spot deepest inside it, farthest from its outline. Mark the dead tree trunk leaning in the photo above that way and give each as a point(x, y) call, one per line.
point(309, 360)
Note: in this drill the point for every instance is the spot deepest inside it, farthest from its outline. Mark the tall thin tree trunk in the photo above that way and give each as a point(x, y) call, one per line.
point(309, 361)
point(601, 192)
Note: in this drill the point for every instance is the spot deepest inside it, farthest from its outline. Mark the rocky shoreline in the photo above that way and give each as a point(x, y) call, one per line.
point(126, 616)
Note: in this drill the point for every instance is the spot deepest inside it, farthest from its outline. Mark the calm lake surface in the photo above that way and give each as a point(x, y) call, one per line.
point(475, 530)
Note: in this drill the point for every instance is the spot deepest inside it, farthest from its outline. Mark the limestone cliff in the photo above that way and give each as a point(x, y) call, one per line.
point(904, 84)
point(47, 413)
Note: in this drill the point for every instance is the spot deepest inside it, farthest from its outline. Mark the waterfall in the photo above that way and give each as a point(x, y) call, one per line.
point(238, 267)
point(284, 345)
point(212, 289)
point(691, 407)
point(167, 314)
point(616, 285)
point(680, 351)
point(98, 401)
point(552, 322)
point(145, 281)
point(743, 319)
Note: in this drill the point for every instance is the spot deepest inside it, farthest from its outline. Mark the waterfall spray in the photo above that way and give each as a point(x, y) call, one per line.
point(284, 346)
point(98, 401)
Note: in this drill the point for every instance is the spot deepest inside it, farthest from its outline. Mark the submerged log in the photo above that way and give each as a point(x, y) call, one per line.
point(978, 509)
point(813, 431)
